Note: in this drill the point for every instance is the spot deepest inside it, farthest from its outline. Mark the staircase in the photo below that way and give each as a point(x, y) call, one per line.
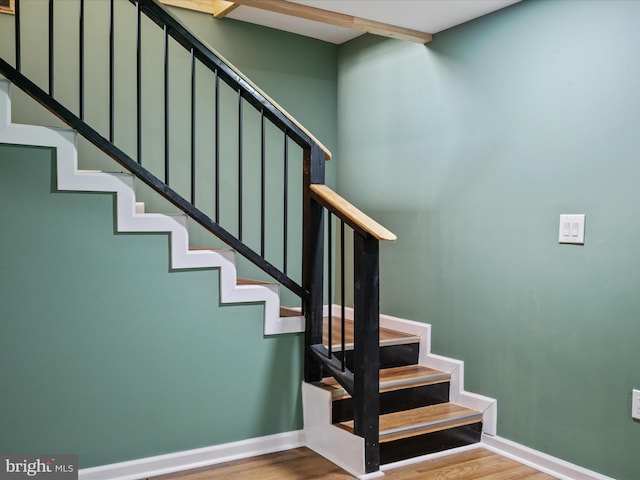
point(373, 394)
point(424, 409)
point(130, 217)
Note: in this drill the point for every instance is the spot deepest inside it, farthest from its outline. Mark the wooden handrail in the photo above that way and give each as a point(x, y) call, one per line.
point(349, 213)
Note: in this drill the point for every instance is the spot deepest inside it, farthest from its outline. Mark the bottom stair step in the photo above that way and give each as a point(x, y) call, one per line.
point(425, 430)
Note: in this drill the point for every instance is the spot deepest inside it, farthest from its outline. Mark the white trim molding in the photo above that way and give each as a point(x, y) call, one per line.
point(190, 459)
point(540, 461)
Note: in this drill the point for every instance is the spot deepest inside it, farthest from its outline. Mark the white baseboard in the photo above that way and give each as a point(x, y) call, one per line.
point(200, 457)
point(540, 461)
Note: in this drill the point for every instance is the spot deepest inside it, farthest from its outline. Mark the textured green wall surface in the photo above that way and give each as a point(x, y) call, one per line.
point(105, 352)
point(108, 353)
point(468, 149)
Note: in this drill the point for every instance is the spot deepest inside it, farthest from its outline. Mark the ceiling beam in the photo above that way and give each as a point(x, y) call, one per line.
point(221, 8)
point(217, 8)
point(205, 6)
point(337, 19)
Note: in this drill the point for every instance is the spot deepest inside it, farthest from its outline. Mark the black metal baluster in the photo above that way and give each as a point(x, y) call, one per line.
point(111, 70)
point(16, 23)
point(51, 52)
point(262, 183)
point(285, 221)
point(209, 60)
point(239, 165)
point(138, 85)
point(166, 105)
point(193, 127)
point(329, 280)
point(81, 62)
point(217, 152)
point(342, 299)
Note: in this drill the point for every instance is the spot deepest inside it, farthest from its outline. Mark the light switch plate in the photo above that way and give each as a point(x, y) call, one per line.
point(635, 404)
point(571, 228)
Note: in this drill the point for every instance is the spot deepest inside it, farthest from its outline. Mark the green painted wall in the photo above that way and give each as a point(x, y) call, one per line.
point(468, 149)
point(104, 352)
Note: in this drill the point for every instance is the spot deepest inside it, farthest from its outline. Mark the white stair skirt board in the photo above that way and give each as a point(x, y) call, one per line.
point(131, 216)
point(540, 461)
point(190, 459)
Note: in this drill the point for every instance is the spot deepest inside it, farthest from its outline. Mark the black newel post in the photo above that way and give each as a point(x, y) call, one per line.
point(366, 347)
point(313, 255)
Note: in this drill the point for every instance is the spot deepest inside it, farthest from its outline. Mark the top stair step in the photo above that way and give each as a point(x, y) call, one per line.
point(387, 336)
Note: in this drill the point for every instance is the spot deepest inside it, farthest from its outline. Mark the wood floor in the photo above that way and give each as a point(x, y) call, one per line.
point(303, 464)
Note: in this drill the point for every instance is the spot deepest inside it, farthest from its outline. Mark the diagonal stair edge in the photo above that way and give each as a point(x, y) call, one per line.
point(70, 178)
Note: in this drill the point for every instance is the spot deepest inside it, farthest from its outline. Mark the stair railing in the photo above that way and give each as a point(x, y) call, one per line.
point(359, 375)
point(361, 379)
point(220, 73)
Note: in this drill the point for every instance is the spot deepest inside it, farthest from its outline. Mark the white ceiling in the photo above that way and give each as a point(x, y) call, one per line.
point(431, 16)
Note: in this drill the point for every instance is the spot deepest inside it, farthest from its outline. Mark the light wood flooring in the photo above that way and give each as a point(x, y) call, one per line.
point(303, 464)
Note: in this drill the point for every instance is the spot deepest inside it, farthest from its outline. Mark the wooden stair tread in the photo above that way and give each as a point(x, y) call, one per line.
point(387, 336)
point(413, 374)
point(420, 421)
point(392, 379)
point(249, 281)
point(290, 312)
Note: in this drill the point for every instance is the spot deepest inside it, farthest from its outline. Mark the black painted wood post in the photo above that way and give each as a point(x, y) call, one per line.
point(366, 353)
point(313, 263)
